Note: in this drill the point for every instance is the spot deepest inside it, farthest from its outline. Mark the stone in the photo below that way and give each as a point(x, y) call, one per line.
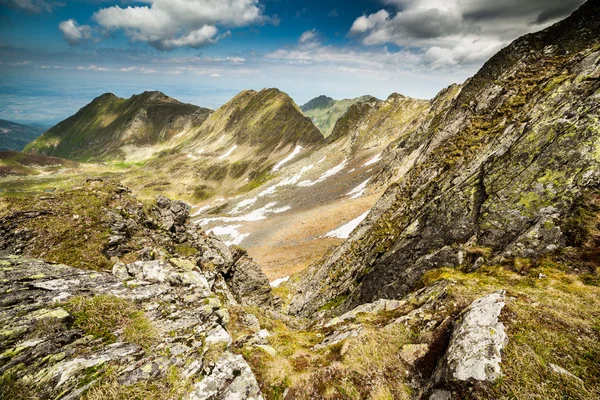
point(217, 335)
point(561, 371)
point(230, 379)
point(475, 349)
point(440, 395)
point(410, 353)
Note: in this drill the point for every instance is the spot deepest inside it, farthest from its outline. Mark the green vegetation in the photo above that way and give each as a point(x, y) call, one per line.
point(173, 386)
point(100, 129)
point(325, 111)
point(102, 315)
point(552, 319)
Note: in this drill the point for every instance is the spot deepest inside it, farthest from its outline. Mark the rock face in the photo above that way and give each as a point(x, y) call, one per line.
point(43, 350)
point(474, 353)
point(164, 285)
point(491, 176)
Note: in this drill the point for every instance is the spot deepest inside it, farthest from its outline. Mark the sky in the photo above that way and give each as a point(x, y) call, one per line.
point(58, 55)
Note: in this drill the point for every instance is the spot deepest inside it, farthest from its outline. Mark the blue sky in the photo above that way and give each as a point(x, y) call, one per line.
point(57, 55)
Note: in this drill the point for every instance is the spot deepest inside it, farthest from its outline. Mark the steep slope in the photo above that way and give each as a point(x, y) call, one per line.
point(15, 136)
point(268, 119)
point(78, 324)
point(239, 147)
point(374, 123)
point(494, 177)
point(325, 111)
point(304, 208)
point(110, 127)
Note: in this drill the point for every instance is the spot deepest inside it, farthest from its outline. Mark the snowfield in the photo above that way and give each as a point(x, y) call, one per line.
point(344, 231)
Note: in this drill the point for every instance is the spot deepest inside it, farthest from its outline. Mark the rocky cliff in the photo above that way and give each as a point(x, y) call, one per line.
point(494, 177)
point(143, 304)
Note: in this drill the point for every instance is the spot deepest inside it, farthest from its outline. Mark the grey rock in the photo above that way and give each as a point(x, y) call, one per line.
point(561, 371)
point(440, 395)
point(475, 350)
point(231, 379)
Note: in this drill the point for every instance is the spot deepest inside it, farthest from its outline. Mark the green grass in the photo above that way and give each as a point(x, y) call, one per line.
point(172, 386)
point(102, 315)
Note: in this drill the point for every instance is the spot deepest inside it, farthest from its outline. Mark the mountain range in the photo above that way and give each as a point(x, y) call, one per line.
point(355, 249)
point(14, 136)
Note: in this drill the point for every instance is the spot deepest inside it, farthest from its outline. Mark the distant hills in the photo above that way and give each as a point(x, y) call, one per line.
point(14, 136)
point(325, 111)
point(104, 127)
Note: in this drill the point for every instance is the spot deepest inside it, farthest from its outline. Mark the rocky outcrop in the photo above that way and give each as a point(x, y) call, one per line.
point(101, 223)
point(46, 351)
point(492, 177)
point(475, 350)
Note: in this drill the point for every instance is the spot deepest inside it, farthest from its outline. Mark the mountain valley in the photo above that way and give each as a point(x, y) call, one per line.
point(363, 248)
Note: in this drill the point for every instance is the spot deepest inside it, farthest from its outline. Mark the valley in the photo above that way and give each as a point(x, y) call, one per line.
point(363, 249)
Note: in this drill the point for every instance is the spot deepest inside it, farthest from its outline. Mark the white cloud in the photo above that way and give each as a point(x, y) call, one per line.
point(167, 24)
point(196, 39)
point(364, 23)
point(32, 6)
point(308, 36)
point(75, 34)
point(93, 68)
point(457, 32)
point(142, 70)
point(214, 75)
point(17, 64)
point(236, 60)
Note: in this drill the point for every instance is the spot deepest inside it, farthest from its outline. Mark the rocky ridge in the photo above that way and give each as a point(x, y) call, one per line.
point(178, 285)
point(506, 159)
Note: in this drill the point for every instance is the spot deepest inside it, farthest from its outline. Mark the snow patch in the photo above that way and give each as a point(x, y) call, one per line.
point(256, 215)
point(359, 190)
point(279, 281)
point(271, 190)
point(228, 152)
point(243, 204)
point(321, 160)
point(200, 210)
point(331, 172)
point(229, 234)
point(373, 160)
point(344, 231)
point(296, 151)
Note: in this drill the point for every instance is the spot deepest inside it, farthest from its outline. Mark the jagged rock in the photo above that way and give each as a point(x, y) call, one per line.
point(502, 159)
point(249, 284)
point(173, 213)
point(379, 305)
point(43, 350)
point(231, 378)
point(474, 353)
point(410, 353)
point(339, 335)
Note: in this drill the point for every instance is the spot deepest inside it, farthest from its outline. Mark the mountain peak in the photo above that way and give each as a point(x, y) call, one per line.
point(105, 125)
point(268, 119)
point(321, 101)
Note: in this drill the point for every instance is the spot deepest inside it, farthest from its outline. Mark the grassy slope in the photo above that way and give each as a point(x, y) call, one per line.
point(327, 112)
point(267, 119)
point(108, 122)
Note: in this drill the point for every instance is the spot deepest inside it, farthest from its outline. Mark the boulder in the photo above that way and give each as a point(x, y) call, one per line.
point(475, 350)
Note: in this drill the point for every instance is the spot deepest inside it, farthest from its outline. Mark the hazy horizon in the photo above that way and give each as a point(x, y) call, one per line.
point(55, 57)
